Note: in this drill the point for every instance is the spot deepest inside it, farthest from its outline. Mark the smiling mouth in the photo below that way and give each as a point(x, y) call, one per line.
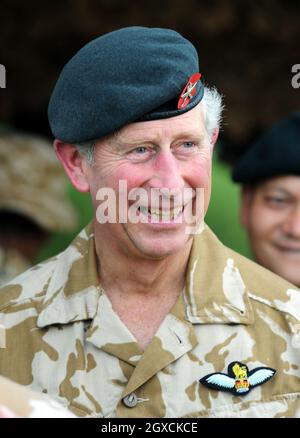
point(287, 249)
point(159, 215)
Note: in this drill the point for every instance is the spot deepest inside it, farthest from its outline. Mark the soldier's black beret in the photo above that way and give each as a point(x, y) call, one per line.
point(132, 74)
point(276, 153)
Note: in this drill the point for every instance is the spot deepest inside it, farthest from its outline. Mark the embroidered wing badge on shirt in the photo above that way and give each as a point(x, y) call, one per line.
point(239, 380)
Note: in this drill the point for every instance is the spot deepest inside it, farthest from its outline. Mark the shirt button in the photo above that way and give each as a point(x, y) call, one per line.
point(130, 400)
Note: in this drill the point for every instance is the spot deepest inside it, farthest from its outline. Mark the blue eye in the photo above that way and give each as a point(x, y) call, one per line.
point(140, 154)
point(188, 144)
point(140, 150)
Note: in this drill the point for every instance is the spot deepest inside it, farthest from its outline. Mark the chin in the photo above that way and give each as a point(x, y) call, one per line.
point(161, 248)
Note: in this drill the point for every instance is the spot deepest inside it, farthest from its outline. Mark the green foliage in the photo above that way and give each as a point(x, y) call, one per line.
point(223, 211)
point(59, 241)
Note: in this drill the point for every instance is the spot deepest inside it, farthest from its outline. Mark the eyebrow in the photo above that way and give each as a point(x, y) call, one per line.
point(281, 190)
point(119, 143)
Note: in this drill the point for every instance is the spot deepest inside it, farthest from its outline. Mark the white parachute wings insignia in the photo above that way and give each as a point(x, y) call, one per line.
point(260, 375)
point(219, 380)
point(239, 380)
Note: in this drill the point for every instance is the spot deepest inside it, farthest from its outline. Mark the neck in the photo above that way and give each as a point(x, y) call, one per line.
point(132, 276)
point(142, 291)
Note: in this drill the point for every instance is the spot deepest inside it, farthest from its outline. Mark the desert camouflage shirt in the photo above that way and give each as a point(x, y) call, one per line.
point(25, 403)
point(62, 337)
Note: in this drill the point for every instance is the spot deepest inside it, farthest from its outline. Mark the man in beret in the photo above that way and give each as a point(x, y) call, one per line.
point(270, 199)
point(146, 313)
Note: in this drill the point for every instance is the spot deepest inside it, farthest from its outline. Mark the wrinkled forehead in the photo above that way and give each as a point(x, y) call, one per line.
point(188, 125)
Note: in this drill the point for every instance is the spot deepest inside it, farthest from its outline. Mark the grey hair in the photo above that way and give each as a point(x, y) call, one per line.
point(87, 150)
point(212, 106)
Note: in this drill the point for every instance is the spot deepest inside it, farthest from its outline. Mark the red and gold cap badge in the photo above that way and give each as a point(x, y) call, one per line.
point(188, 91)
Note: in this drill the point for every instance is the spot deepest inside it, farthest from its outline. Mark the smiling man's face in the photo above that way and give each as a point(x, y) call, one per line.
point(271, 216)
point(172, 154)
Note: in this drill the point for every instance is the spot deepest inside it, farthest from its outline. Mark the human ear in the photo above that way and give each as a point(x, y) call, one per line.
point(74, 164)
point(214, 136)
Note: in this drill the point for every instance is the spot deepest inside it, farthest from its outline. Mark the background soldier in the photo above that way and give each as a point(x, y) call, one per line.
point(270, 199)
point(33, 201)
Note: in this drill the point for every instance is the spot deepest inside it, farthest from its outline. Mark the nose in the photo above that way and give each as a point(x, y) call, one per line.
point(167, 173)
point(291, 226)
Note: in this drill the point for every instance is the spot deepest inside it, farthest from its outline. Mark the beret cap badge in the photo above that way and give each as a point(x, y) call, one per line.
point(189, 91)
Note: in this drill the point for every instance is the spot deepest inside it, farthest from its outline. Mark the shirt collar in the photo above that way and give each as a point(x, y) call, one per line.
point(73, 290)
point(214, 291)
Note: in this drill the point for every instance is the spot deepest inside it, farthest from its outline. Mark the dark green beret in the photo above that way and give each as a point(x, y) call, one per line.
point(131, 74)
point(276, 153)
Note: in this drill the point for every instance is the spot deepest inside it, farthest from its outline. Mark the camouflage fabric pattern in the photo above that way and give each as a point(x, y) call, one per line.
point(32, 182)
point(25, 403)
point(64, 339)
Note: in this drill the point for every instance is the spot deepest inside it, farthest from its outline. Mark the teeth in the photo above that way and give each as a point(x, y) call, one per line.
point(158, 214)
